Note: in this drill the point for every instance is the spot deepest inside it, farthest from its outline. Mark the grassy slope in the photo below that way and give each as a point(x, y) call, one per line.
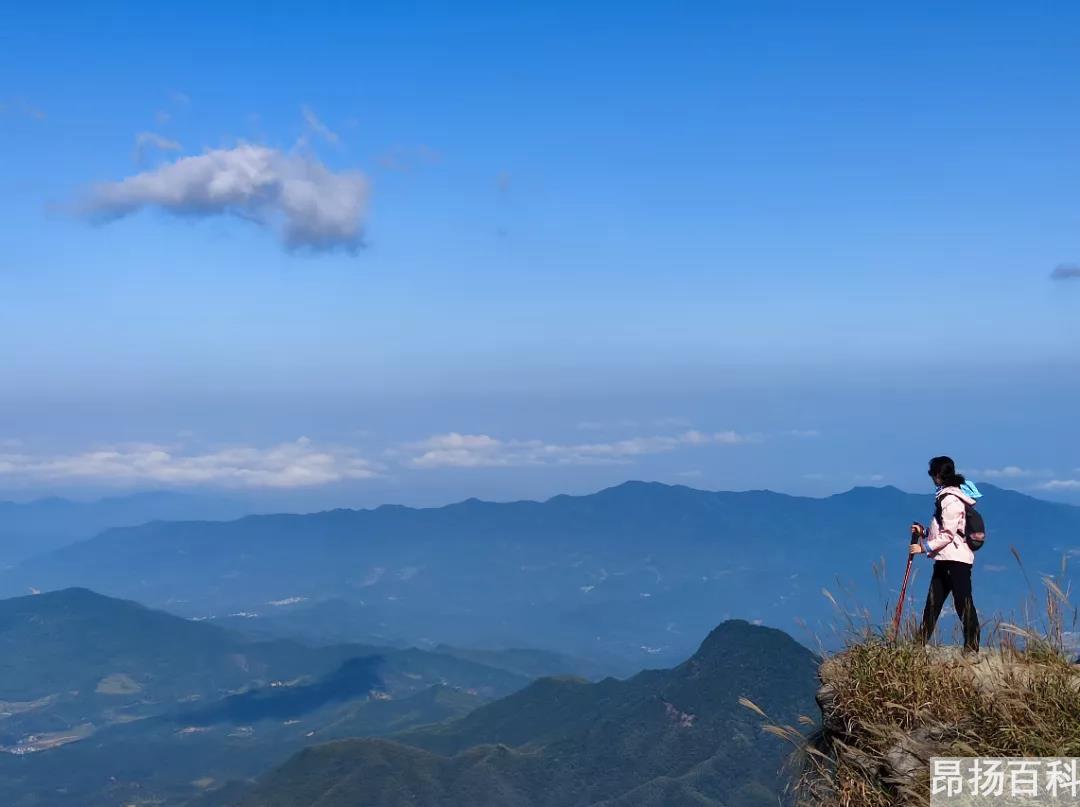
point(887, 707)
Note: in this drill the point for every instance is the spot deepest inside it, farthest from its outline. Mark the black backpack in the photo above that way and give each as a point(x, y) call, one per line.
point(974, 525)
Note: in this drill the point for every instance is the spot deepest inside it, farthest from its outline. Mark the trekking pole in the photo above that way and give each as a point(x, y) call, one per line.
point(903, 588)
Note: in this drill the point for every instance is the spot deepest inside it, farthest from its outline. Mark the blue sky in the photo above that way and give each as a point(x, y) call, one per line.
point(512, 251)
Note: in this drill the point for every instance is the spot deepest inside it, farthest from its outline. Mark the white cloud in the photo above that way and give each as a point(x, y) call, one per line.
point(1061, 484)
point(144, 141)
point(456, 450)
point(1008, 472)
point(305, 202)
point(287, 601)
point(288, 465)
point(318, 127)
point(872, 479)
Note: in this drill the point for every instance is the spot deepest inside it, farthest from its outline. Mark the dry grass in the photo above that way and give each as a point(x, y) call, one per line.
point(889, 703)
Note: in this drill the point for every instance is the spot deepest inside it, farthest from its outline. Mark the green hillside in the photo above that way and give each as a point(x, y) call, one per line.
point(76, 639)
point(665, 738)
point(165, 763)
point(106, 702)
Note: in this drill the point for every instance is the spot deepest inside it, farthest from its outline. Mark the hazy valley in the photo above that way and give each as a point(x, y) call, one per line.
point(440, 631)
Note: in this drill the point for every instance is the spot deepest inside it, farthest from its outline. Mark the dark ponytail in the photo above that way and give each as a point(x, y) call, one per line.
point(944, 468)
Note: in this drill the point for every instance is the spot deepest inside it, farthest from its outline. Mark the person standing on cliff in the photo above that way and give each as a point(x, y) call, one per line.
point(945, 544)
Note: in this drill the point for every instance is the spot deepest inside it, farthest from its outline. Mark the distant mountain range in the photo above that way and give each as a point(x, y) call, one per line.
point(664, 738)
point(632, 573)
point(288, 631)
point(31, 528)
point(107, 702)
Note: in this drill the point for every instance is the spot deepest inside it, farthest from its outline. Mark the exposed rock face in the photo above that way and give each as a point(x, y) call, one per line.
point(906, 759)
point(885, 712)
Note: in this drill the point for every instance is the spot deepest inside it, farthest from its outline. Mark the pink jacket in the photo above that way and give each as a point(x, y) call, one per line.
point(946, 541)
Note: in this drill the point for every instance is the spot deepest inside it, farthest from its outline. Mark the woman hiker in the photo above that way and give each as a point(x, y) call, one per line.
point(944, 543)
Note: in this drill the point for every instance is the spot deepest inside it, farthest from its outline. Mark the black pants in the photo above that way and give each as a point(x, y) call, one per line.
point(951, 576)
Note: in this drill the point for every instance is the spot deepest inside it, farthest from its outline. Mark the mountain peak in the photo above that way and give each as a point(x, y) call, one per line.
point(631, 487)
point(78, 605)
point(73, 594)
point(737, 637)
point(866, 491)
